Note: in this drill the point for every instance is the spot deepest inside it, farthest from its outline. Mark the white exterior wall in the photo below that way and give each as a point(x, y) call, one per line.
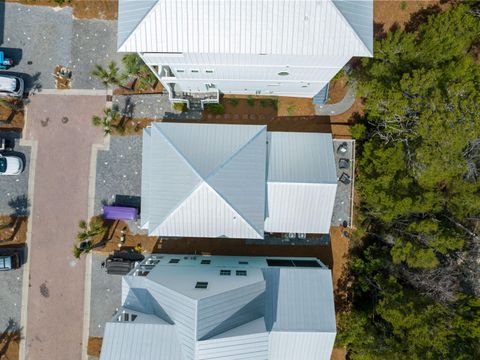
point(258, 74)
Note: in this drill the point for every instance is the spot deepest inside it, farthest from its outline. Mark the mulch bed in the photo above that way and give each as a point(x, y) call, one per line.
point(157, 89)
point(16, 233)
point(11, 121)
point(337, 91)
point(94, 346)
point(82, 9)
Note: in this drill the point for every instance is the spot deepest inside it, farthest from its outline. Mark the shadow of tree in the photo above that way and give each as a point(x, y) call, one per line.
point(12, 333)
point(420, 17)
point(21, 209)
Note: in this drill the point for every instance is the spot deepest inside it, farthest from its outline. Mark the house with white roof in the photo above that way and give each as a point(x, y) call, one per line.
point(236, 181)
point(180, 307)
point(198, 49)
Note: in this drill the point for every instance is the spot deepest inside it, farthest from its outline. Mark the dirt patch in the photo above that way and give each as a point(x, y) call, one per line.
point(158, 89)
point(396, 14)
point(337, 90)
point(338, 354)
point(13, 230)
point(94, 346)
point(341, 282)
point(290, 106)
point(82, 9)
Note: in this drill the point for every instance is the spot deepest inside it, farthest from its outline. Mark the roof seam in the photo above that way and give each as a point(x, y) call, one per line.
point(351, 27)
point(138, 25)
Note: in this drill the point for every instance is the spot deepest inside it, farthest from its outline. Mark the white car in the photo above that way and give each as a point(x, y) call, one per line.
point(10, 165)
point(11, 86)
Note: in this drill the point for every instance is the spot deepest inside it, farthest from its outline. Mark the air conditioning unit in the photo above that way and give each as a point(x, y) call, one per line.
point(292, 235)
point(302, 235)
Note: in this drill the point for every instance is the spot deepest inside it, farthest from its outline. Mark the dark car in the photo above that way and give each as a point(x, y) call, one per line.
point(121, 262)
point(9, 261)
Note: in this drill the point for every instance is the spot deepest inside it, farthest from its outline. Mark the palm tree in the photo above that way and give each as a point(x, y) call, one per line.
point(85, 233)
point(108, 76)
point(106, 121)
point(135, 67)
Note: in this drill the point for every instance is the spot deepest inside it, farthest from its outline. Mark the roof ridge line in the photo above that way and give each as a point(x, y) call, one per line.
point(202, 180)
point(217, 169)
point(351, 27)
point(139, 22)
point(232, 208)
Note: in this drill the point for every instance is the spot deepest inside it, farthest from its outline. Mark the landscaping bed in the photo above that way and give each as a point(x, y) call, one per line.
point(82, 9)
point(10, 346)
point(158, 89)
point(292, 106)
point(14, 232)
point(337, 90)
point(94, 346)
point(11, 120)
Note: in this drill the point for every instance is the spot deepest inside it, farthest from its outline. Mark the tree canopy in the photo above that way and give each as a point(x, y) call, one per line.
point(416, 282)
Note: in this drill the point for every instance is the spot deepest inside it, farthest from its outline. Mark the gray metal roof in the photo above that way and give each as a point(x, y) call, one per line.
point(302, 182)
point(127, 341)
point(204, 180)
point(130, 15)
point(303, 27)
point(240, 318)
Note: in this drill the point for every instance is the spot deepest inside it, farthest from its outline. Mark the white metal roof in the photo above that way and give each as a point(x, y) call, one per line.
point(302, 182)
point(280, 311)
point(204, 180)
point(282, 27)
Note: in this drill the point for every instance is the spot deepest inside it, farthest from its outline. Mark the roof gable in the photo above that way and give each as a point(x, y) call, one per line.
point(290, 27)
point(130, 15)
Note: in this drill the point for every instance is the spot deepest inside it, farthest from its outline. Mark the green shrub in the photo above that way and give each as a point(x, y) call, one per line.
point(274, 103)
point(180, 106)
point(290, 109)
point(218, 109)
point(233, 101)
point(264, 102)
point(250, 100)
point(403, 5)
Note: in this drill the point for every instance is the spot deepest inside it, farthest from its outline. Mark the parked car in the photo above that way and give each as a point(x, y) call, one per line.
point(9, 261)
point(5, 62)
point(10, 165)
point(11, 86)
point(121, 262)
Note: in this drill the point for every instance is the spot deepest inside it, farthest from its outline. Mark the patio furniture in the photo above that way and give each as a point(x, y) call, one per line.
point(119, 213)
point(343, 163)
point(342, 148)
point(344, 178)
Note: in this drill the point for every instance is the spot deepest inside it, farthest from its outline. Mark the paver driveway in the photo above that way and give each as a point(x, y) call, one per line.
point(56, 292)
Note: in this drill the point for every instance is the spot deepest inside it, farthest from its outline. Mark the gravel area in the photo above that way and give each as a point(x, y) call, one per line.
point(14, 189)
point(152, 106)
point(119, 175)
point(343, 199)
point(10, 296)
point(106, 296)
point(39, 37)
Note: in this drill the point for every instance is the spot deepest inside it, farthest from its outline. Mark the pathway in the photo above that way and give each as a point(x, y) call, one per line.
point(339, 107)
point(56, 290)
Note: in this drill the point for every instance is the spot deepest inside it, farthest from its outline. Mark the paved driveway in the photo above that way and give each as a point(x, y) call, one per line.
point(56, 289)
point(10, 297)
point(38, 38)
point(14, 189)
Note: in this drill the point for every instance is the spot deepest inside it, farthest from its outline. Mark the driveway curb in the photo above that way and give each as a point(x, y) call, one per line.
point(76, 92)
point(88, 260)
point(33, 144)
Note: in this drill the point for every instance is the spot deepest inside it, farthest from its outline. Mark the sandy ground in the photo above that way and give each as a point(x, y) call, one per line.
point(337, 91)
point(94, 346)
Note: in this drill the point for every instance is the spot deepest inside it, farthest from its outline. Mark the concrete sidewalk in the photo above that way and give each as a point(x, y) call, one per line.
point(56, 289)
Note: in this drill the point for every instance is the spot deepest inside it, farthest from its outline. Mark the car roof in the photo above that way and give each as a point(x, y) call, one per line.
point(8, 83)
